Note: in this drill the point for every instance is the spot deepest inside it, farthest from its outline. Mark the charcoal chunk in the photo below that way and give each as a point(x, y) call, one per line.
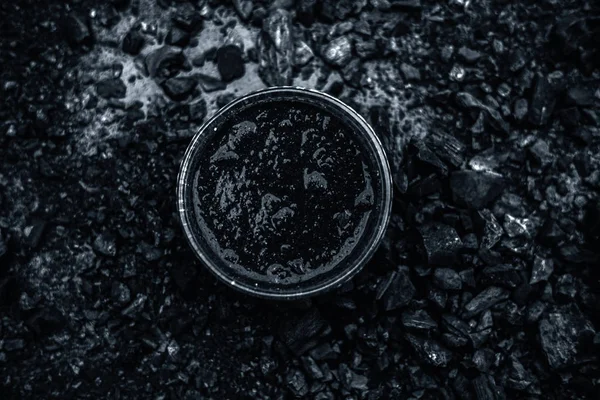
point(275, 49)
point(396, 290)
point(105, 244)
point(484, 300)
point(350, 379)
point(165, 62)
point(501, 275)
point(430, 351)
point(210, 83)
point(244, 8)
point(475, 189)
point(296, 383)
point(418, 320)
point(305, 11)
point(410, 73)
point(13, 344)
point(541, 270)
point(338, 52)
point(120, 292)
point(447, 279)
point(492, 231)
point(111, 88)
point(469, 56)
point(441, 243)
point(77, 31)
point(486, 388)
point(564, 333)
point(133, 42)
point(33, 233)
point(544, 98)
point(179, 88)
point(230, 62)
point(297, 333)
point(178, 37)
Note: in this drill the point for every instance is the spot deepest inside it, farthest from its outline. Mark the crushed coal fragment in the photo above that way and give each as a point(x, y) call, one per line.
point(475, 189)
point(77, 31)
point(178, 37)
point(338, 52)
point(133, 42)
point(230, 62)
point(430, 351)
point(164, 62)
point(105, 244)
point(547, 89)
point(410, 73)
point(564, 333)
point(441, 243)
point(179, 88)
point(111, 88)
point(396, 290)
point(298, 333)
point(296, 383)
point(418, 320)
point(275, 49)
point(447, 279)
point(484, 300)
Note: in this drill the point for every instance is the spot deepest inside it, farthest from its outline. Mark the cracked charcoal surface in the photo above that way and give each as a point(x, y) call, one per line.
point(488, 110)
point(283, 206)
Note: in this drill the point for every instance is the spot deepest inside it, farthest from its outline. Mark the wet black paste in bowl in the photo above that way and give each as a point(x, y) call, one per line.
point(282, 190)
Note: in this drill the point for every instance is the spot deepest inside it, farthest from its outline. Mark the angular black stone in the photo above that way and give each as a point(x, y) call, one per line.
point(120, 292)
point(396, 290)
point(501, 275)
point(244, 8)
point(178, 37)
point(296, 383)
point(77, 31)
point(475, 189)
point(165, 62)
point(179, 88)
point(410, 73)
point(441, 243)
point(544, 98)
point(541, 270)
point(418, 320)
point(133, 42)
point(230, 62)
point(210, 83)
point(34, 232)
point(564, 334)
point(350, 379)
point(111, 88)
point(275, 49)
point(105, 244)
point(305, 11)
point(468, 55)
point(430, 351)
point(297, 333)
point(338, 52)
point(447, 279)
point(484, 300)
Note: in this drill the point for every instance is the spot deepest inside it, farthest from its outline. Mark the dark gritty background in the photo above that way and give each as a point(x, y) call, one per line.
point(486, 286)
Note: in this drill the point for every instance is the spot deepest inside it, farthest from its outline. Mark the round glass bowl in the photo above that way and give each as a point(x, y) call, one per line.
point(318, 280)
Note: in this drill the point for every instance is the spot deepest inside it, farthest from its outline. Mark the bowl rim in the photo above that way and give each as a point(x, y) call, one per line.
point(373, 241)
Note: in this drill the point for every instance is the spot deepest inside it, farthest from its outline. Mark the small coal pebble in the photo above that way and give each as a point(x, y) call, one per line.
point(133, 42)
point(105, 244)
point(564, 333)
point(111, 88)
point(441, 243)
point(296, 383)
point(178, 37)
point(396, 290)
point(410, 73)
point(120, 293)
point(230, 62)
point(179, 88)
point(484, 300)
point(475, 189)
point(77, 31)
point(447, 279)
point(338, 52)
point(430, 351)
